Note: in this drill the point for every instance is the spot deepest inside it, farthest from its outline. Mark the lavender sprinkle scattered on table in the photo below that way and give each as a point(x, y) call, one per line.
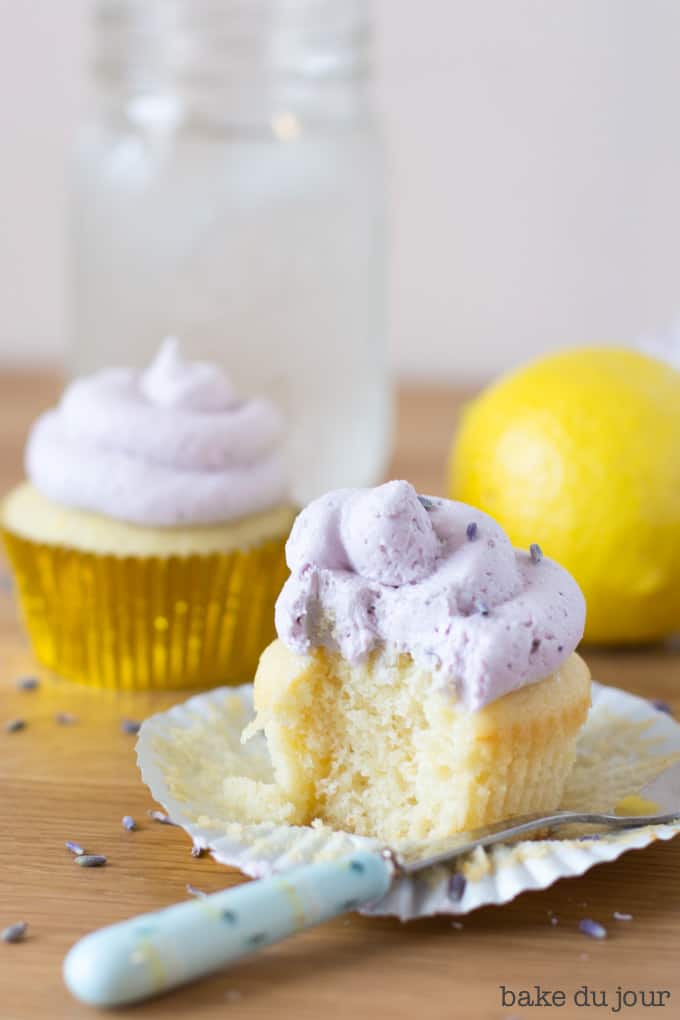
point(75, 848)
point(90, 860)
point(195, 891)
point(130, 726)
point(28, 683)
point(160, 816)
point(457, 884)
point(458, 925)
point(129, 823)
point(14, 932)
point(618, 916)
point(535, 552)
point(65, 718)
point(593, 929)
point(471, 531)
point(14, 725)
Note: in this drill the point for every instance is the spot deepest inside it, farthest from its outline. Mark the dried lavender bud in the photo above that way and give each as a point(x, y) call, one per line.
point(90, 860)
point(28, 683)
point(75, 848)
point(471, 531)
point(129, 823)
point(618, 916)
point(130, 726)
point(160, 816)
point(593, 929)
point(197, 851)
point(14, 725)
point(481, 607)
point(426, 502)
point(457, 884)
point(65, 718)
point(194, 891)
point(535, 552)
point(661, 706)
point(15, 932)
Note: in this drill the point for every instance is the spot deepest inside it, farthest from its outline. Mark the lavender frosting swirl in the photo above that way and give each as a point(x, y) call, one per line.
point(437, 579)
point(171, 445)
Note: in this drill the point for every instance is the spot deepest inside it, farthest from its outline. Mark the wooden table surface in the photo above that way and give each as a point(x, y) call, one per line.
point(75, 782)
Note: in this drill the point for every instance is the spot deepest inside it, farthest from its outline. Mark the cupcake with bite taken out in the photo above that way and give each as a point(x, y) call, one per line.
point(424, 679)
point(148, 541)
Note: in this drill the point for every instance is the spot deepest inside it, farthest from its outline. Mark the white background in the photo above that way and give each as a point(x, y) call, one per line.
point(534, 153)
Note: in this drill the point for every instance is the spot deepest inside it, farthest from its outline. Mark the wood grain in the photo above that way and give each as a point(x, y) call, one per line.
point(76, 782)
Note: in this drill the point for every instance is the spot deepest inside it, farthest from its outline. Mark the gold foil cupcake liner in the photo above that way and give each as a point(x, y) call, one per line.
point(140, 623)
point(186, 753)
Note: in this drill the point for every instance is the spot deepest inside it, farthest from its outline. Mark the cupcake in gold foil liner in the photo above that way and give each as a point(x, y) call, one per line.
point(132, 621)
point(148, 541)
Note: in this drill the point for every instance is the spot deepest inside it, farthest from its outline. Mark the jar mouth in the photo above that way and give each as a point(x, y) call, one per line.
point(235, 62)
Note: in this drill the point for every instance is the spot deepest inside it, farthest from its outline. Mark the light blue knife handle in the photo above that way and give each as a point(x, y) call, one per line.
point(135, 959)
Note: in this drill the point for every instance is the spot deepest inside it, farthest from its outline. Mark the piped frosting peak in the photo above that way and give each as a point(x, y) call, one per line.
point(171, 445)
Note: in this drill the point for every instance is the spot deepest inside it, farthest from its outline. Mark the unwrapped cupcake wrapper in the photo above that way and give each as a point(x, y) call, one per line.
point(139, 622)
point(186, 754)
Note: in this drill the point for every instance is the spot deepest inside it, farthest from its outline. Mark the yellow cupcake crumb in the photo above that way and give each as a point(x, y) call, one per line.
point(634, 806)
point(379, 750)
point(29, 514)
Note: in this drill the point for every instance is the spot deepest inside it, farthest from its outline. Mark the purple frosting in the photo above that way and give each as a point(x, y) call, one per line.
point(168, 446)
point(373, 568)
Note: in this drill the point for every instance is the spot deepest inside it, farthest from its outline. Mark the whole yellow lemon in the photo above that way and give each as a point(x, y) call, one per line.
point(580, 452)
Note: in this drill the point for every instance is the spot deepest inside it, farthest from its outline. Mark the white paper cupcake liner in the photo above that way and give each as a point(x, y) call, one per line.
point(186, 753)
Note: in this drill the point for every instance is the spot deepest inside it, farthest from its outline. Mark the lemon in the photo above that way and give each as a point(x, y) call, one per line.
point(580, 452)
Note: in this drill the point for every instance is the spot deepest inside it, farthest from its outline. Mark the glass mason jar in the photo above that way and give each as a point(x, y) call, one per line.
point(229, 190)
